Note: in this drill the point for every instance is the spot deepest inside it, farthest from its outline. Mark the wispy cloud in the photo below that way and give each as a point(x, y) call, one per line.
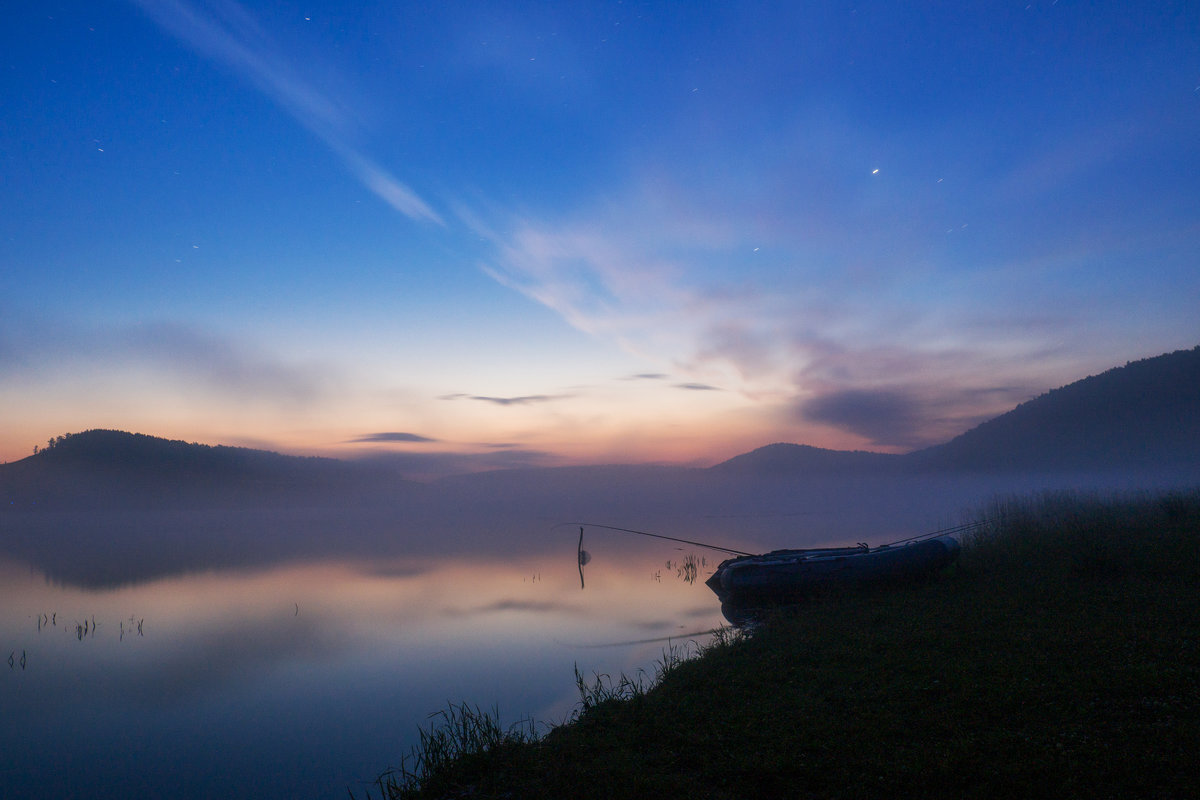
point(903, 397)
point(885, 417)
point(200, 362)
point(386, 186)
point(227, 33)
point(501, 606)
point(218, 363)
point(394, 437)
point(651, 294)
point(518, 400)
point(908, 417)
point(841, 338)
point(523, 400)
point(592, 279)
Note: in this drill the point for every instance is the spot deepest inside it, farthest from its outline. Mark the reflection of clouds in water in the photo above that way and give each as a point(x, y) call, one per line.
point(167, 668)
point(525, 606)
point(220, 657)
point(378, 570)
point(276, 663)
point(656, 625)
point(696, 612)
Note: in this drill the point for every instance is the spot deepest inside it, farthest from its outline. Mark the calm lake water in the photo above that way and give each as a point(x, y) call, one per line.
point(303, 679)
point(293, 654)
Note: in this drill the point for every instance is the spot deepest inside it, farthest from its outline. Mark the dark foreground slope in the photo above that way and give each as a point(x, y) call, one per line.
point(1059, 658)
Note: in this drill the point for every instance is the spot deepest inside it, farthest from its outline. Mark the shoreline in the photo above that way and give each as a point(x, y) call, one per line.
point(1060, 655)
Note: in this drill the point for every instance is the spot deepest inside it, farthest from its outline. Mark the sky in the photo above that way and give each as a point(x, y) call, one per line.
point(521, 234)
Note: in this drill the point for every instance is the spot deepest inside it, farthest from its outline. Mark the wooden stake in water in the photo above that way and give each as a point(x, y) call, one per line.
point(584, 556)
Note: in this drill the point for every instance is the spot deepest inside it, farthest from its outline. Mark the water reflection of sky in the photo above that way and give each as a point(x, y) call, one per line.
point(302, 680)
point(294, 653)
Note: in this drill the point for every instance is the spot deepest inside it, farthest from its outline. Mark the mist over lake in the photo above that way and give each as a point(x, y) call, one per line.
point(293, 652)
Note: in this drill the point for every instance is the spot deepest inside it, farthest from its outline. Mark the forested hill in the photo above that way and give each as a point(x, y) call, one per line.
point(102, 468)
point(1145, 414)
point(137, 452)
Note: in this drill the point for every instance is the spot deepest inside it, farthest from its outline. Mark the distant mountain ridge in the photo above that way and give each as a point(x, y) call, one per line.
point(783, 458)
point(1144, 414)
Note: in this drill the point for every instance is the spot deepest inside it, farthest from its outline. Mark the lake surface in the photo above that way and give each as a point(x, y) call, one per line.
point(294, 653)
point(304, 679)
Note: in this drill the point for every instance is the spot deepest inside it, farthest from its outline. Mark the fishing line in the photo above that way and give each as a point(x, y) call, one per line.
point(674, 637)
point(966, 527)
point(729, 550)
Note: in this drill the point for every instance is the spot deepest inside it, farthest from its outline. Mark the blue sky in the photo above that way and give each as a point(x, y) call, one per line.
point(542, 233)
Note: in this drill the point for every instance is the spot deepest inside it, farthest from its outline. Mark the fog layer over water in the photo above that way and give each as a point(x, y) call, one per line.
point(294, 653)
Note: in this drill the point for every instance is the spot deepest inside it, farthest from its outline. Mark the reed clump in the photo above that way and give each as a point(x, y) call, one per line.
point(1059, 657)
point(461, 745)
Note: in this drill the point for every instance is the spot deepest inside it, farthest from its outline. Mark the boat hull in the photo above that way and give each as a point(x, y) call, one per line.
point(794, 574)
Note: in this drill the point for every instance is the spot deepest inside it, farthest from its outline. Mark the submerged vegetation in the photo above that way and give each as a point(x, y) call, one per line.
point(1059, 657)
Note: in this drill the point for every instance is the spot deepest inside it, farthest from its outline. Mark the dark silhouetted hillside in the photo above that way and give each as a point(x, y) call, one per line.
point(792, 459)
point(1143, 415)
point(115, 469)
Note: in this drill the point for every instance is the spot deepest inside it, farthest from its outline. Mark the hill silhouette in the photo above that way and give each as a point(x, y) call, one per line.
point(107, 468)
point(782, 458)
point(1143, 415)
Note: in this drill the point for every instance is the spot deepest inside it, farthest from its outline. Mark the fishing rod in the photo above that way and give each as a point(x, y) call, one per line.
point(957, 529)
point(582, 525)
point(966, 527)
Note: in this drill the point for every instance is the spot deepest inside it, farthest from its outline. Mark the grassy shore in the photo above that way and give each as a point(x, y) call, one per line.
point(1060, 657)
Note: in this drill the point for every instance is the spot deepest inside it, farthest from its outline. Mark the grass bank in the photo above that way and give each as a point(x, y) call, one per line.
point(1060, 657)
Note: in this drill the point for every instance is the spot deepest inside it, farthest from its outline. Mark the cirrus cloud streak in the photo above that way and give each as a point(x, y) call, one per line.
point(227, 33)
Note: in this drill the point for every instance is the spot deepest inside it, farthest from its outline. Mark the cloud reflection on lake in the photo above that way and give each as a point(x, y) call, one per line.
point(316, 671)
